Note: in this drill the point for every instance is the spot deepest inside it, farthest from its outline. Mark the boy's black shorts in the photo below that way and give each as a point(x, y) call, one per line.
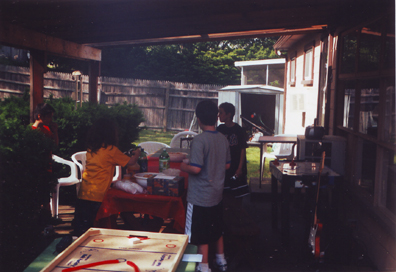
point(204, 225)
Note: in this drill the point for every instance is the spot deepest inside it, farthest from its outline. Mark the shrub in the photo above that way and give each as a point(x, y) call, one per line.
point(25, 181)
point(25, 156)
point(74, 124)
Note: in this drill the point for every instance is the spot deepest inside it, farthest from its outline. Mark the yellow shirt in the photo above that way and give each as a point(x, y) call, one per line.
point(99, 172)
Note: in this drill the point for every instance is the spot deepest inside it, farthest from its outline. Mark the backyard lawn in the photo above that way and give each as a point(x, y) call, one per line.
point(252, 153)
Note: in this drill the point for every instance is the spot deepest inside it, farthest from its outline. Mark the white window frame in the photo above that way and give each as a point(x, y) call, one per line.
point(308, 72)
point(293, 66)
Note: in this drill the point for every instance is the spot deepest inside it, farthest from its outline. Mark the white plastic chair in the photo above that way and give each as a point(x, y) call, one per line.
point(176, 140)
point(65, 181)
point(282, 150)
point(79, 158)
point(279, 151)
point(152, 147)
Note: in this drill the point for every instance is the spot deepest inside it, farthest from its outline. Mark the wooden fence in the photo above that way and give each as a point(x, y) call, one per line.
point(164, 104)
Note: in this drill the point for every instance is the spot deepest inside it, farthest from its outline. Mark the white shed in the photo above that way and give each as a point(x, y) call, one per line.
point(260, 93)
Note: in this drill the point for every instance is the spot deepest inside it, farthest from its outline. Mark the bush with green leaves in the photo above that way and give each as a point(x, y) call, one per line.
point(73, 125)
point(25, 182)
point(25, 154)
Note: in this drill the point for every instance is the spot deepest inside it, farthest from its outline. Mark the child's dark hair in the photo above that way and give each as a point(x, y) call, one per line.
point(104, 132)
point(228, 108)
point(207, 112)
point(43, 109)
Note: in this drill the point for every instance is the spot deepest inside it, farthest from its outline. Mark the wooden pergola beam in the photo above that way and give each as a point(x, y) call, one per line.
point(23, 38)
point(40, 45)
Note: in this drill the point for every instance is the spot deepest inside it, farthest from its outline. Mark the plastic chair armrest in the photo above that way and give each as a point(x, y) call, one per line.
point(73, 177)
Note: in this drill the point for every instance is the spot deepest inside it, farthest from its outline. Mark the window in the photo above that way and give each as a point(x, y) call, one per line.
point(276, 75)
point(268, 74)
point(369, 47)
point(349, 45)
point(368, 109)
point(388, 132)
point(365, 100)
point(349, 104)
point(366, 87)
point(389, 58)
point(255, 75)
point(308, 64)
point(292, 76)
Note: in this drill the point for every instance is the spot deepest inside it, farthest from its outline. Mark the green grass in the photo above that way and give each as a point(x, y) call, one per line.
point(253, 162)
point(252, 153)
point(146, 135)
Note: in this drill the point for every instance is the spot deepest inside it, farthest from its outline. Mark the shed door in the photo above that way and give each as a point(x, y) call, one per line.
point(262, 105)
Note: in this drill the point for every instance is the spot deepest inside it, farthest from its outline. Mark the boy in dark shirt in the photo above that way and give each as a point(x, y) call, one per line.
point(234, 187)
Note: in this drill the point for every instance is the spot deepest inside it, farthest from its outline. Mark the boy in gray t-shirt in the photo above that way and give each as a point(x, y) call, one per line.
point(209, 159)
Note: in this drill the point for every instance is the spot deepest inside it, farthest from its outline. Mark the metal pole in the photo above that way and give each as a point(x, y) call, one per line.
point(77, 75)
point(266, 76)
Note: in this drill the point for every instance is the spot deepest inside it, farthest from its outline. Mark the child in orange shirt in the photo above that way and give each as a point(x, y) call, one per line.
point(102, 157)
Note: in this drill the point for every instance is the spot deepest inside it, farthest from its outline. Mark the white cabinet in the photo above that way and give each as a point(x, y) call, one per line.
point(334, 146)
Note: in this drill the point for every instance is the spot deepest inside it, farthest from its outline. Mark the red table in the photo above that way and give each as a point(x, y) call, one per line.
point(117, 201)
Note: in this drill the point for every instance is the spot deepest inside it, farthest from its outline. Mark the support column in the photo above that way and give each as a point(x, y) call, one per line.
point(94, 73)
point(165, 120)
point(38, 66)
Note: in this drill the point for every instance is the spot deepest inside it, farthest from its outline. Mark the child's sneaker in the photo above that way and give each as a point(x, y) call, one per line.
point(220, 267)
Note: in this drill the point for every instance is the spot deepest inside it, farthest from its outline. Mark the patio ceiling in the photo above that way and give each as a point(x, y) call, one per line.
point(99, 23)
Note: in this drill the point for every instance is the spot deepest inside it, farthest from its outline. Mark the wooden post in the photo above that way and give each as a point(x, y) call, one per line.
point(94, 72)
point(76, 93)
point(165, 120)
point(37, 70)
point(81, 89)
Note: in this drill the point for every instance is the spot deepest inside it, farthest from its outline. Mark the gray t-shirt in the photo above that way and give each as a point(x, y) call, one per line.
point(209, 151)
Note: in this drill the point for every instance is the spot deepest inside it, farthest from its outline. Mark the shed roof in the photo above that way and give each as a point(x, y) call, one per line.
point(260, 62)
point(262, 89)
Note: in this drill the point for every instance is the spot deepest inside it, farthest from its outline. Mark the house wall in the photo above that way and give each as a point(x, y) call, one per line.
point(301, 99)
point(374, 222)
point(366, 199)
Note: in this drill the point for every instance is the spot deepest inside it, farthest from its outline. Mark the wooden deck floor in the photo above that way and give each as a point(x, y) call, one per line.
point(125, 222)
point(257, 252)
point(66, 213)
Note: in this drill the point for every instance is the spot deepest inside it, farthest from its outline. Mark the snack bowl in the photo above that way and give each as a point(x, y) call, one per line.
point(141, 178)
point(177, 156)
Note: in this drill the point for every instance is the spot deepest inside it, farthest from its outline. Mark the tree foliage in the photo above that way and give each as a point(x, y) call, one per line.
point(203, 62)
